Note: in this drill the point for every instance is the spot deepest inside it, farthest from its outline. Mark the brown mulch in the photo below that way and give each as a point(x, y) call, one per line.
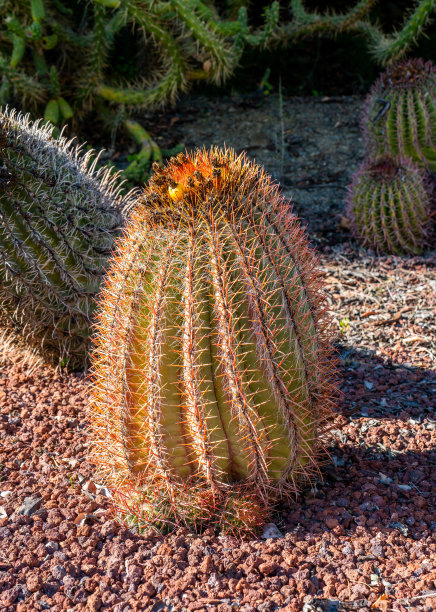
point(384, 305)
point(363, 539)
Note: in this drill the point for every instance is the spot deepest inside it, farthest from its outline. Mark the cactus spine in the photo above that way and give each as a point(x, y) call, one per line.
point(400, 114)
point(212, 366)
point(59, 217)
point(389, 206)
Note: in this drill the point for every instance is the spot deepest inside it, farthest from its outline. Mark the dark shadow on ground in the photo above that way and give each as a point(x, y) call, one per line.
point(382, 472)
point(374, 387)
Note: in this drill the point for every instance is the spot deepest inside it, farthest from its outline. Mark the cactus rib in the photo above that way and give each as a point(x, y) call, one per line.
point(399, 117)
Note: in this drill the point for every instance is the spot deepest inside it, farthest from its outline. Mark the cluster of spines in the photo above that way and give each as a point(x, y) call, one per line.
point(212, 365)
point(389, 204)
point(399, 118)
point(235, 512)
point(60, 215)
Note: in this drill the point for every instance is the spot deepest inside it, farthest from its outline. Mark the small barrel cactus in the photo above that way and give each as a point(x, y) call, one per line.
point(389, 205)
point(213, 377)
point(399, 117)
point(59, 217)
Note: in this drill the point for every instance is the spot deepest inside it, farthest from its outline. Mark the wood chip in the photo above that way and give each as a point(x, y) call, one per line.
point(397, 316)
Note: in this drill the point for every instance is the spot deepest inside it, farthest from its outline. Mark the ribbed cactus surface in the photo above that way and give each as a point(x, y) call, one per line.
point(399, 118)
point(59, 217)
point(389, 205)
point(213, 375)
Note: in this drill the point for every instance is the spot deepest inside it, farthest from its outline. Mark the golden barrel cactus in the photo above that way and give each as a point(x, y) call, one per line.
point(213, 374)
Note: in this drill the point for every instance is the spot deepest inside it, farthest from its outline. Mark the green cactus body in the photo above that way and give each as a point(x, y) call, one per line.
point(389, 206)
point(212, 368)
point(400, 114)
point(387, 49)
point(59, 217)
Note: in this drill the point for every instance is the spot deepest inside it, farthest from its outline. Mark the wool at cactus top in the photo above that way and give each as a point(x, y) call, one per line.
point(212, 367)
point(400, 113)
point(59, 216)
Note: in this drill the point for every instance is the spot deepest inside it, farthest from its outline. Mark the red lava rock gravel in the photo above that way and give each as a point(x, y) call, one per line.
point(364, 539)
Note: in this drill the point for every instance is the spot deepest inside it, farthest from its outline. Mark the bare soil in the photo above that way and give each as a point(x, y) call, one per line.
point(361, 538)
point(311, 145)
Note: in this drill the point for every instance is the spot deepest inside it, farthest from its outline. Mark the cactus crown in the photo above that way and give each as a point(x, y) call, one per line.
point(383, 170)
point(212, 367)
point(187, 187)
point(408, 74)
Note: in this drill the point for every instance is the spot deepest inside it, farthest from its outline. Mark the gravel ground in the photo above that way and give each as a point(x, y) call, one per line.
point(363, 539)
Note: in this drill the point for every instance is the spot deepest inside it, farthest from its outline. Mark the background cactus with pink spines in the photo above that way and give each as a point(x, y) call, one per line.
point(400, 114)
point(390, 206)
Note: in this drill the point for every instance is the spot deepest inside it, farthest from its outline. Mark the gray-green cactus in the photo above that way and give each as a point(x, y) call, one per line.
point(59, 216)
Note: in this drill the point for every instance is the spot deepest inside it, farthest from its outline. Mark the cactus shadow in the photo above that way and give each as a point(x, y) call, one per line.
point(375, 387)
point(382, 469)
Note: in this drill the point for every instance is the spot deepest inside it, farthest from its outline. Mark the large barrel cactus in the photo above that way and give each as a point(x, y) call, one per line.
point(389, 205)
point(213, 377)
point(399, 118)
point(59, 216)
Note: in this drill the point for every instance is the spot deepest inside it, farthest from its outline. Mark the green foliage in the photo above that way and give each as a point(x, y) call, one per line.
point(40, 39)
point(140, 164)
point(149, 153)
point(51, 52)
point(59, 217)
point(389, 49)
point(344, 324)
point(357, 20)
point(62, 62)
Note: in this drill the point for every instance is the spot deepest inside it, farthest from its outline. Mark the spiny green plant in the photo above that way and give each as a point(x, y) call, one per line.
point(59, 217)
point(59, 61)
point(58, 55)
point(212, 368)
point(399, 117)
point(390, 206)
point(54, 60)
point(139, 168)
point(388, 49)
point(384, 48)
